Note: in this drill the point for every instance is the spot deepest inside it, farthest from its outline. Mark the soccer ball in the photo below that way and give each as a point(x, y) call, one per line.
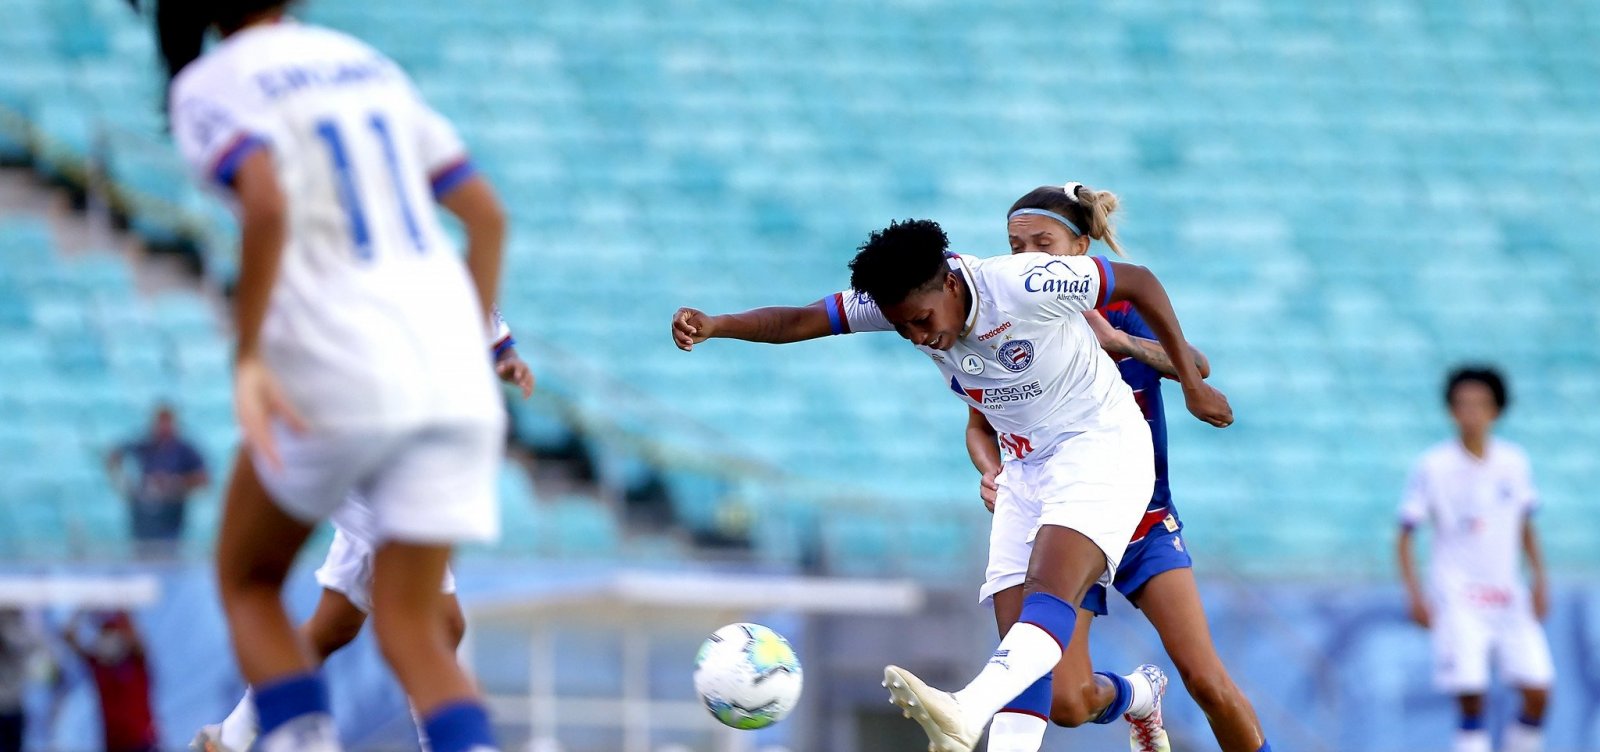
point(747, 676)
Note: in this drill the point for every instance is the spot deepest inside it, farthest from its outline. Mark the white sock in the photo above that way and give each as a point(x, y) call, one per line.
point(1026, 654)
point(1520, 737)
point(1472, 741)
point(422, 732)
point(240, 727)
point(1144, 695)
point(1016, 732)
point(313, 732)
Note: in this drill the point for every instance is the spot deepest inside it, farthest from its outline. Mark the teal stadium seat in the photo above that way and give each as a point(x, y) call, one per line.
point(1311, 181)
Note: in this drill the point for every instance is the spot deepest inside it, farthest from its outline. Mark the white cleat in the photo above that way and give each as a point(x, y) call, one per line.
point(1147, 733)
point(935, 710)
point(210, 740)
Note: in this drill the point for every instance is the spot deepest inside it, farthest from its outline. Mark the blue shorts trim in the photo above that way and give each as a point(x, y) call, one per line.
point(1160, 551)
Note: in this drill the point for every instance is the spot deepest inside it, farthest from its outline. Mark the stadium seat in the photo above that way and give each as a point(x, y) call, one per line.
point(1332, 267)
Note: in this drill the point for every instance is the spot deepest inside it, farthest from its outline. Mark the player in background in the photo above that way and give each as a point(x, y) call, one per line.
point(1476, 492)
point(360, 359)
point(1155, 574)
point(346, 580)
point(1009, 335)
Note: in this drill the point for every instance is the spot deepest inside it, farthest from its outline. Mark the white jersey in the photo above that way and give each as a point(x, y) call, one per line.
point(373, 321)
point(1026, 357)
point(1477, 507)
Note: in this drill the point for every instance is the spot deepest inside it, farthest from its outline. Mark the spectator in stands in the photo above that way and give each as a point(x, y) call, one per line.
point(19, 644)
point(116, 658)
point(169, 469)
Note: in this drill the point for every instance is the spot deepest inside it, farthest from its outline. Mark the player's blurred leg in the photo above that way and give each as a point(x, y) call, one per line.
point(1526, 734)
point(417, 645)
point(1171, 601)
point(1525, 662)
point(1472, 735)
point(256, 546)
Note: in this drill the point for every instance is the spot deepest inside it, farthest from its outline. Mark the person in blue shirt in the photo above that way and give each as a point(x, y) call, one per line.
point(168, 470)
point(1155, 574)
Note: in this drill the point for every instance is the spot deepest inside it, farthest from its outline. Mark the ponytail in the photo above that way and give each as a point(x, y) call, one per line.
point(181, 32)
point(181, 25)
point(1087, 210)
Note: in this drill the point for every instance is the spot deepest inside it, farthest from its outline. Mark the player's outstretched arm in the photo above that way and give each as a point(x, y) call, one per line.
point(777, 325)
point(475, 204)
point(1142, 349)
point(1138, 286)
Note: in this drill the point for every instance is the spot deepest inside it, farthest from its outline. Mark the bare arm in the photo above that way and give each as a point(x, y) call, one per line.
point(1408, 576)
point(984, 449)
point(776, 325)
point(1146, 351)
point(1541, 587)
point(258, 401)
point(263, 227)
point(1138, 286)
point(982, 446)
point(475, 204)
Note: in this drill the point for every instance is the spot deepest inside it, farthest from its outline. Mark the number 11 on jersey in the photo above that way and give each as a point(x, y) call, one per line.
point(349, 198)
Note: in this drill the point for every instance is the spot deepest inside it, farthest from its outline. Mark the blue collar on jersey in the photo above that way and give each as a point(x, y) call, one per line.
point(1046, 213)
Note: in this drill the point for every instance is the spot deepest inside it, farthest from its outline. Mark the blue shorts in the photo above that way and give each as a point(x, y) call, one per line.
point(1161, 550)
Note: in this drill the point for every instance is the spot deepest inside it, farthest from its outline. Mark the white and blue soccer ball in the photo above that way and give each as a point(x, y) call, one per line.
point(748, 676)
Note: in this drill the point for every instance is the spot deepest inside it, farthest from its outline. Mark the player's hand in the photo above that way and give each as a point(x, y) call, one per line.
point(690, 327)
point(1208, 404)
point(1419, 613)
point(989, 488)
point(258, 402)
point(1541, 599)
point(514, 370)
point(1111, 340)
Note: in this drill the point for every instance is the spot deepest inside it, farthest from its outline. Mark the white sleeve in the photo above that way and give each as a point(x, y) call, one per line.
point(1414, 506)
point(1527, 493)
point(1045, 288)
point(500, 332)
point(215, 124)
point(444, 154)
point(850, 312)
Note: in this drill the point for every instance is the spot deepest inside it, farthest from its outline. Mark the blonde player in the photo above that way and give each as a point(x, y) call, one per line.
point(346, 580)
point(360, 364)
point(1009, 335)
point(1476, 491)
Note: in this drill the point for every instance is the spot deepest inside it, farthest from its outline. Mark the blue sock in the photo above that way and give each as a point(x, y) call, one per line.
point(459, 727)
point(1471, 723)
point(1120, 703)
point(1265, 746)
point(290, 698)
point(1529, 722)
point(1051, 614)
point(1034, 701)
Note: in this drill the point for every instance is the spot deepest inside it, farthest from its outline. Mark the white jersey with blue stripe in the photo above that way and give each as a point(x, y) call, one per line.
point(1027, 357)
point(373, 319)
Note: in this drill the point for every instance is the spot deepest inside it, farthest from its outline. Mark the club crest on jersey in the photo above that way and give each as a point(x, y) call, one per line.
point(972, 364)
point(1055, 276)
point(1016, 355)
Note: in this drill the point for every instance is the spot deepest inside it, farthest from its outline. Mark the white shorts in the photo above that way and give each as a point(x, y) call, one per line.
point(428, 485)
point(1097, 483)
point(347, 570)
point(1466, 638)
